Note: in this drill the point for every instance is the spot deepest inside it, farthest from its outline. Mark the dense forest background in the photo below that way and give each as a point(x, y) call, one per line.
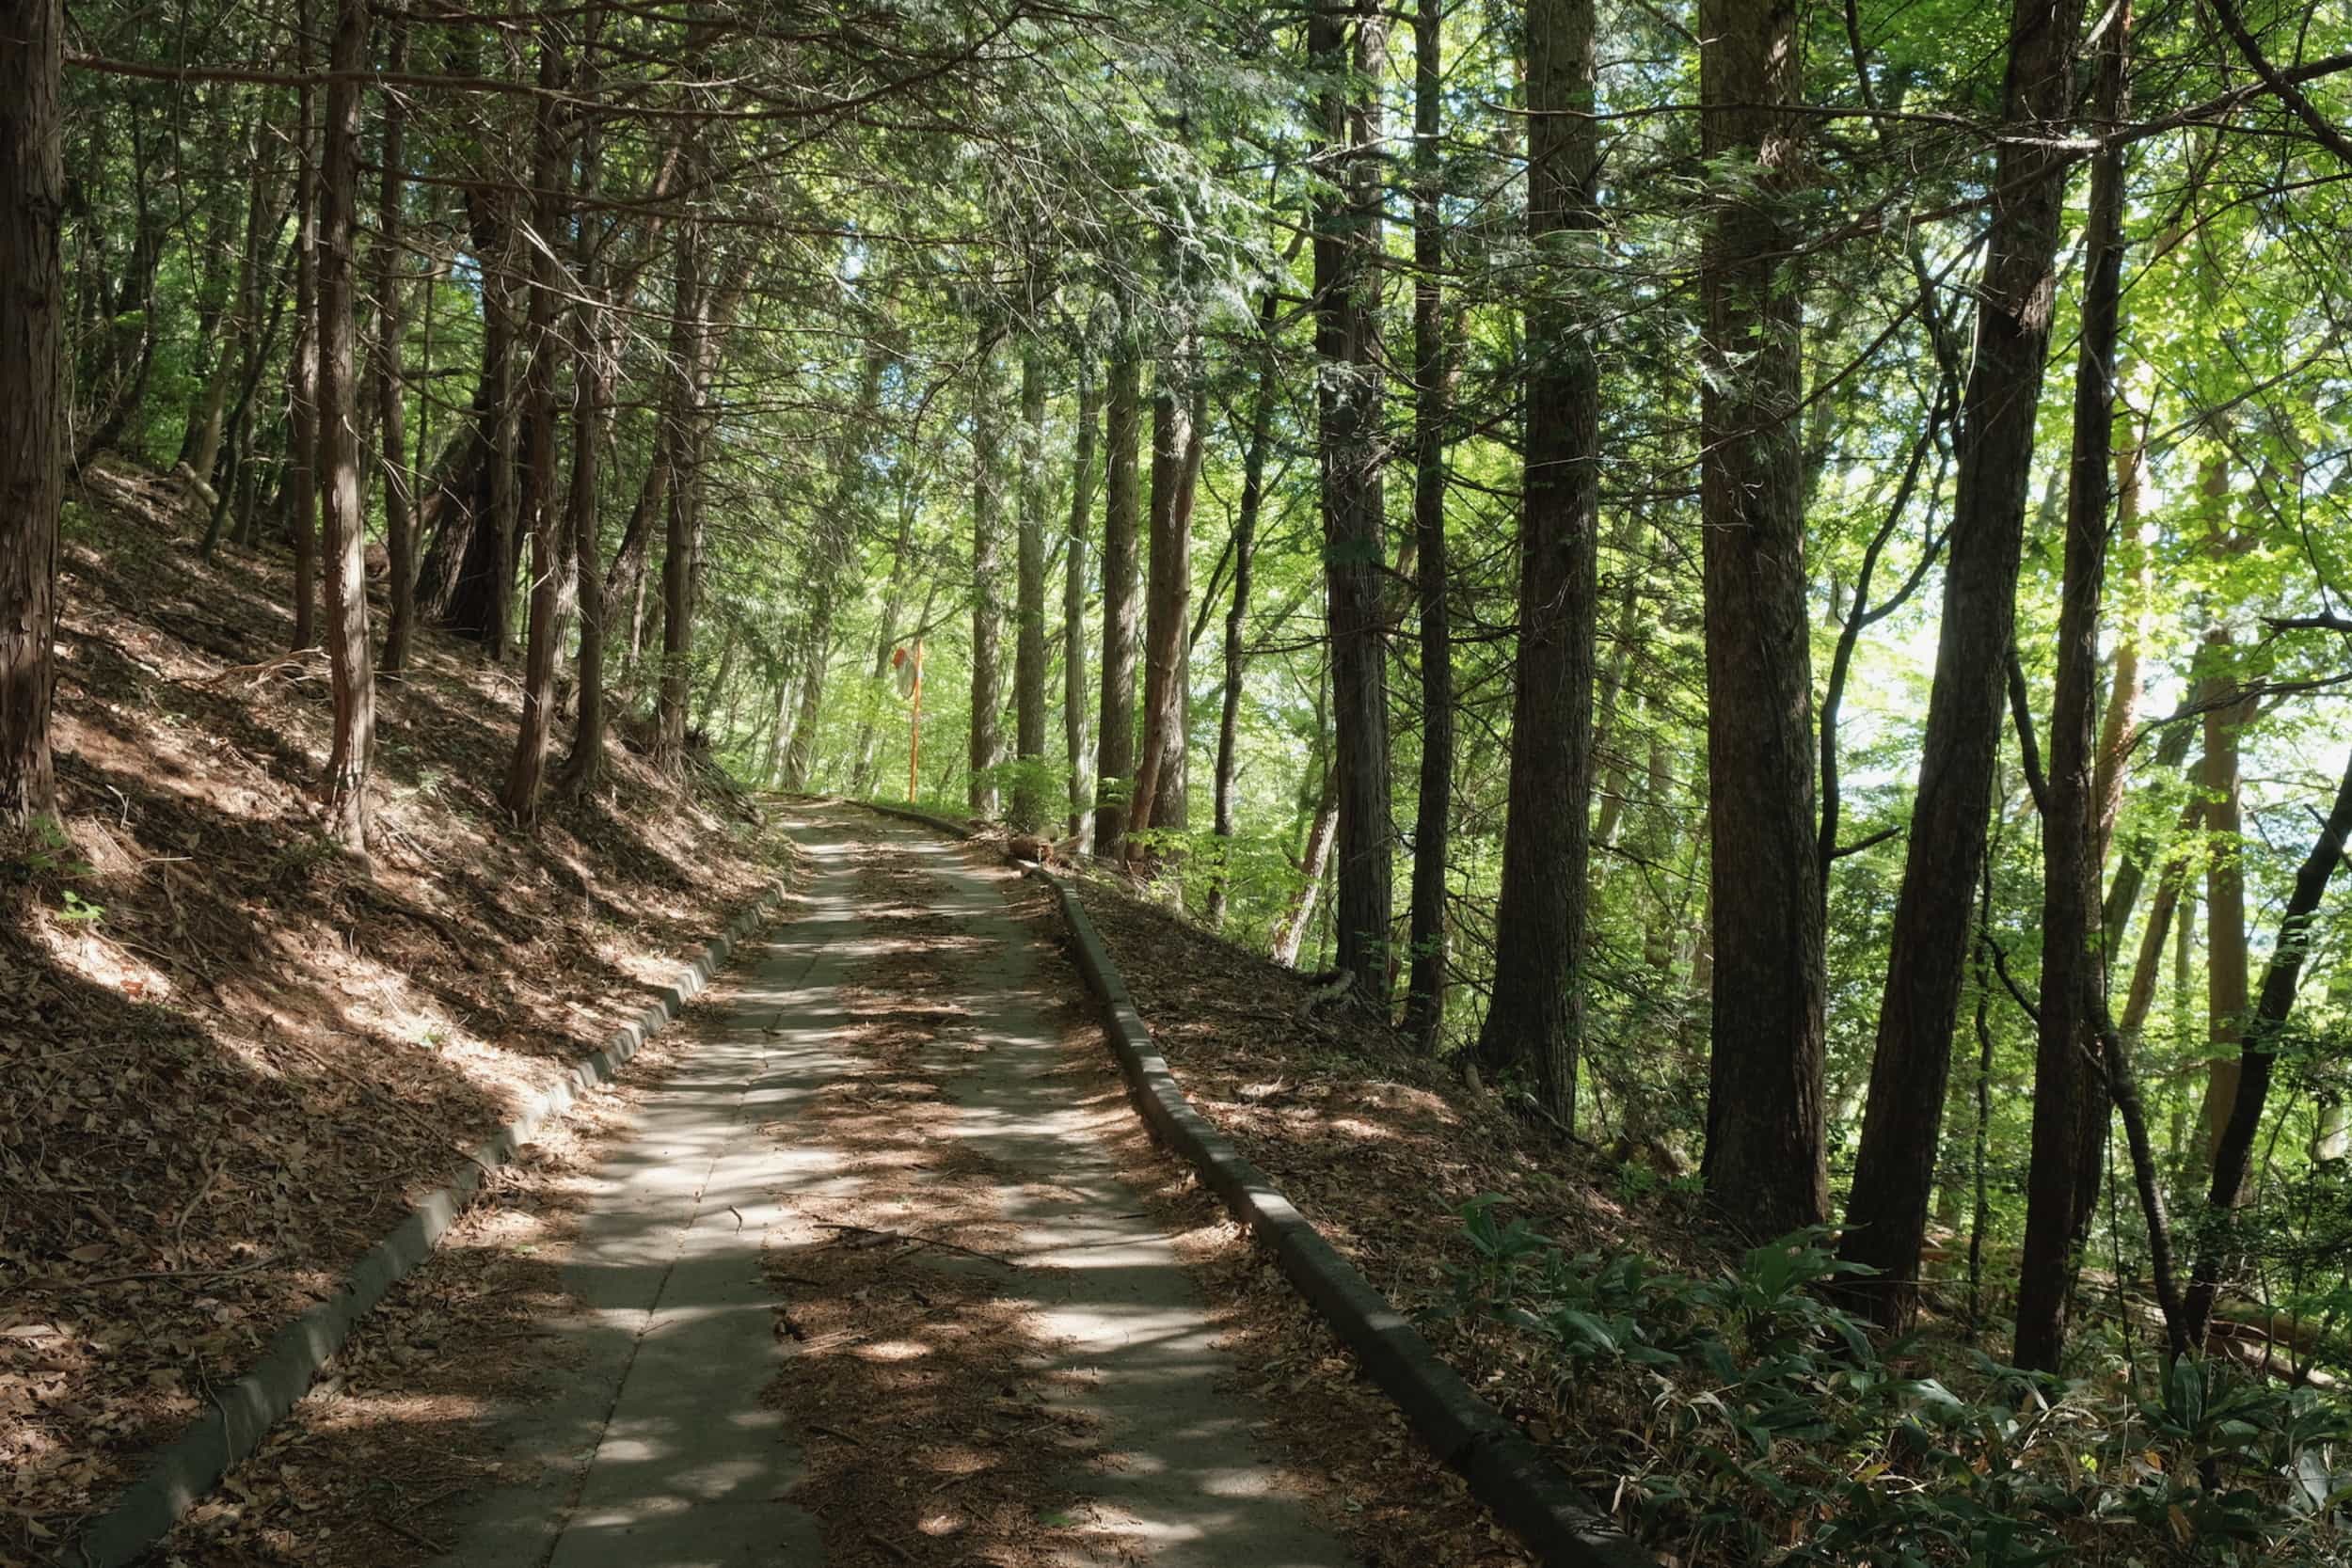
point(1767, 579)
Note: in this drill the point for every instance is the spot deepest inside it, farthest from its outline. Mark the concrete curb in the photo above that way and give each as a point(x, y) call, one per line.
point(1505, 1470)
point(190, 1465)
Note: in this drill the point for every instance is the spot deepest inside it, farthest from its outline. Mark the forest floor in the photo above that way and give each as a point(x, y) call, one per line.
point(230, 1058)
point(1382, 1146)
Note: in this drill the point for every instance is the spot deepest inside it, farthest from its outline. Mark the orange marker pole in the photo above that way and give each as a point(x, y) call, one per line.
point(914, 730)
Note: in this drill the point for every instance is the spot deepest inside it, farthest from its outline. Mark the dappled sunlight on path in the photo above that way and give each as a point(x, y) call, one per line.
point(866, 1285)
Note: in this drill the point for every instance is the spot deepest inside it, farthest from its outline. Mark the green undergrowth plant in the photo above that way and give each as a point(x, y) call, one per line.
point(1745, 1418)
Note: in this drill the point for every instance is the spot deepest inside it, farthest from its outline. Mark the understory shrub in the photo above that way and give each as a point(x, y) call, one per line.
point(1746, 1419)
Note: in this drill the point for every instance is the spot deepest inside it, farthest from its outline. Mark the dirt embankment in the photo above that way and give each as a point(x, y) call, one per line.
point(228, 1056)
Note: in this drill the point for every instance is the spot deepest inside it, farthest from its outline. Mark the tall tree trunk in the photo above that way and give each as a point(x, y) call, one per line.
point(839, 534)
point(400, 535)
point(1764, 1165)
point(2226, 962)
point(551, 583)
point(1029, 811)
point(221, 453)
point(32, 390)
point(1290, 934)
point(216, 328)
point(2069, 1104)
point(352, 752)
point(1236, 618)
point(1350, 60)
point(1536, 1017)
point(1608, 748)
point(988, 595)
point(1895, 1167)
point(597, 350)
point(886, 639)
point(626, 577)
point(2119, 728)
point(1433, 812)
point(1115, 734)
point(302, 366)
point(1159, 795)
point(2131, 870)
point(2141, 993)
point(1074, 609)
point(691, 331)
point(2234, 1152)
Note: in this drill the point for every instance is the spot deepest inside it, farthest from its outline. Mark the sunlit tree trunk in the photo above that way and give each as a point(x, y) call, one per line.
point(1115, 733)
point(1074, 606)
point(886, 639)
point(2233, 1151)
point(351, 674)
point(2227, 965)
point(1911, 1068)
point(1236, 617)
point(988, 568)
point(1535, 1015)
point(2069, 1104)
point(32, 391)
point(838, 531)
point(1290, 934)
point(1176, 448)
point(691, 330)
point(1028, 658)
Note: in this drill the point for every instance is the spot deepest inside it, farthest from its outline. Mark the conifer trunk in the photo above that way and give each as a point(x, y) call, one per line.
point(352, 754)
point(1535, 1015)
point(1115, 734)
point(988, 591)
point(32, 389)
point(1347, 49)
point(552, 588)
point(1029, 658)
point(1424, 1005)
point(1074, 610)
point(400, 532)
point(1763, 1161)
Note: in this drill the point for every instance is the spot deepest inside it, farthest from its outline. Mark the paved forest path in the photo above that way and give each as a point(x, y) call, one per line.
point(866, 1285)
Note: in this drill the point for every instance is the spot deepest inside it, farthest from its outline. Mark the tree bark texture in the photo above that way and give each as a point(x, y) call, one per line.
point(1122, 602)
point(1347, 47)
point(1895, 1169)
point(400, 481)
point(1763, 1165)
point(2070, 1101)
point(352, 753)
point(1433, 810)
point(1028, 656)
point(1535, 1015)
point(988, 570)
point(552, 586)
point(1159, 795)
point(1073, 607)
point(32, 389)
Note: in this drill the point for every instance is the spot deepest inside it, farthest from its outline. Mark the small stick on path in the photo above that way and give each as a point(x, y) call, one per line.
point(917, 1241)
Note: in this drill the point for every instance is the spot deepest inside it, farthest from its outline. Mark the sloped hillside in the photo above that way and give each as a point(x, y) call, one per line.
point(229, 1055)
